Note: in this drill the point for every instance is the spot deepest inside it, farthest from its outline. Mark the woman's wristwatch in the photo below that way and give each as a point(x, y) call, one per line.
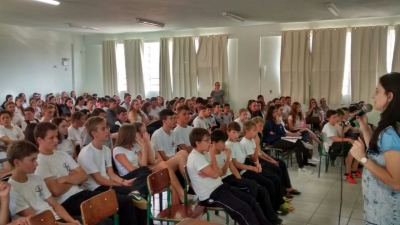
point(364, 160)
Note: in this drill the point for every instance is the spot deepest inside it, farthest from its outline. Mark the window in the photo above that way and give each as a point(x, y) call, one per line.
point(346, 88)
point(151, 73)
point(390, 48)
point(121, 71)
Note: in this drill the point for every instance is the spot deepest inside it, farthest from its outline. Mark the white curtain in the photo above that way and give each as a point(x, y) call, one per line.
point(133, 65)
point(212, 64)
point(368, 60)
point(110, 81)
point(295, 64)
point(184, 67)
point(165, 73)
point(396, 52)
point(327, 60)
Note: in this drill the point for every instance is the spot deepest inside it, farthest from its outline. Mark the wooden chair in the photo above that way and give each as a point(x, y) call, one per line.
point(160, 181)
point(44, 218)
point(99, 208)
point(215, 209)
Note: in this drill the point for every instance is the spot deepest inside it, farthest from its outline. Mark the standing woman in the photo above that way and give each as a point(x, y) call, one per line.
point(381, 176)
point(217, 94)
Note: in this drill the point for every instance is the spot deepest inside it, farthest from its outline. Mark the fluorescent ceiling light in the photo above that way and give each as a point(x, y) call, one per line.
point(331, 7)
point(150, 23)
point(83, 27)
point(232, 16)
point(52, 2)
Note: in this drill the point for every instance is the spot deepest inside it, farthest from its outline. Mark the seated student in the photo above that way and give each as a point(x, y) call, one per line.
point(96, 160)
point(135, 114)
point(349, 131)
point(90, 104)
point(67, 117)
point(4, 210)
point(68, 106)
point(87, 139)
point(274, 164)
point(18, 105)
point(33, 104)
point(103, 103)
point(64, 144)
point(230, 175)
point(242, 116)
point(127, 101)
point(335, 142)
point(8, 132)
point(210, 120)
point(111, 115)
point(16, 118)
point(29, 114)
point(154, 112)
point(227, 116)
point(207, 183)
point(29, 194)
point(122, 118)
point(80, 103)
point(47, 112)
point(252, 170)
point(62, 174)
point(200, 120)
point(182, 130)
point(74, 131)
point(164, 139)
point(217, 114)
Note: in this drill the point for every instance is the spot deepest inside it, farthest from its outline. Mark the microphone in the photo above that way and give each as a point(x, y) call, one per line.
point(365, 109)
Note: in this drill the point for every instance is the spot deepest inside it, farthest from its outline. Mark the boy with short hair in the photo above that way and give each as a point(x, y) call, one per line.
point(67, 117)
point(334, 142)
point(207, 183)
point(154, 112)
point(16, 118)
point(227, 116)
point(200, 120)
point(90, 104)
point(29, 194)
point(122, 118)
point(210, 120)
point(74, 132)
point(216, 113)
point(127, 101)
point(232, 177)
point(47, 112)
point(96, 161)
point(182, 130)
point(29, 114)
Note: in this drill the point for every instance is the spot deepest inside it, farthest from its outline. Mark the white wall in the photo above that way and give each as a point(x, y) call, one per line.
point(253, 46)
point(30, 61)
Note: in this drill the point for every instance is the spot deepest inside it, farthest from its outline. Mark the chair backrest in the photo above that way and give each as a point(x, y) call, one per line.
point(158, 181)
point(187, 178)
point(153, 126)
point(44, 218)
point(99, 207)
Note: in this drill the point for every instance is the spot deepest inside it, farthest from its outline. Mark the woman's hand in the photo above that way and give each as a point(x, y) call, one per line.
point(358, 150)
point(362, 120)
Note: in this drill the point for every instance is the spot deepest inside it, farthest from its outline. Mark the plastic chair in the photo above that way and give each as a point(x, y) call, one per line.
point(322, 153)
point(99, 208)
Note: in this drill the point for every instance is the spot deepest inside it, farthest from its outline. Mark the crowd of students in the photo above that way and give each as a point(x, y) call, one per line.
point(65, 149)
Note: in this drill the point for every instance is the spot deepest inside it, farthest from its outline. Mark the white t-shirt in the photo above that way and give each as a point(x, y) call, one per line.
point(17, 119)
point(221, 159)
point(238, 152)
point(163, 142)
point(57, 165)
point(201, 123)
point(67, 147)
point(329, 131)
point(80, 108)
point(74, 134)
point(32, 193)
point(14, 134)
point(202, 186)
point(182, 135)
point(155, 112)
point(126, 106)
point(24, 124)
point(249, 146)
point(131, 155)
point(240, 123)
point(286, 110)
point(297, 122)
point(93, 160)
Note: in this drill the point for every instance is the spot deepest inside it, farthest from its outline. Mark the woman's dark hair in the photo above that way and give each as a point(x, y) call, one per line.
point(80, 98)
point(390, 116)
point(316, 104)
point(57, 122)
point(270, 113)
point(29, 133)
point(70, 94)
point(145, 106)
point(249, 104)
point(20, 95)
point(66, 100)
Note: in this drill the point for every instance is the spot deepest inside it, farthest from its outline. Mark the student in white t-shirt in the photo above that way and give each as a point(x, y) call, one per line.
point(161, 104)
point(154, 112)
point(64, 144)
point(96, 160)
point(210, 120)
point(16, 118)
point(8, 132)
point(182, 130)
point(90, 105)
point(164, 139)
point(200, 120)
point(29, 114)
point(127, 101)
point(4, 210)
point(47, 112)
point(242, 116)
point(79, 104)
point(29, 194)
point(74, 132)
point(207, 183)
point(33, 104)
point(227, 116)
point(18, 105)
point(122, 118)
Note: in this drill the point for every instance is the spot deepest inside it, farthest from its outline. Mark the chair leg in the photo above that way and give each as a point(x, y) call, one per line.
point(319, 167)
point(226, 218)
point(216, 212)
point(208, 215)
point(327, 163)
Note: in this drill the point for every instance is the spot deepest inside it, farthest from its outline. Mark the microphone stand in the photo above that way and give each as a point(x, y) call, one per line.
point(342, 125)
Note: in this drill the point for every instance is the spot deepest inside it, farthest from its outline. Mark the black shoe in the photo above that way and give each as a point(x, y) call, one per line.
point(278, 221)
point(282, 212)
point(311, 164)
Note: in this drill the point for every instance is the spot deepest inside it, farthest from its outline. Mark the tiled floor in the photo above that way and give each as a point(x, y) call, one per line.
point(320, 199)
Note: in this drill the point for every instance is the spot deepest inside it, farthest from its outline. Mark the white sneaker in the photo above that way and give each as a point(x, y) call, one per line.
point(304, 170)
point(314, 160)
point(308, 145)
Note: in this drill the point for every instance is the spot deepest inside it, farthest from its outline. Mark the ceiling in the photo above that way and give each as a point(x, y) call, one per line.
point(119, 16)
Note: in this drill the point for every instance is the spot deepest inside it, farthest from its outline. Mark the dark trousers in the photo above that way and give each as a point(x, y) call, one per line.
point(126, 209)
point(73, 205)
point(240, 206)
point(302, 153)
point(140, 183)
point(259, 193)
point(280, 171)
